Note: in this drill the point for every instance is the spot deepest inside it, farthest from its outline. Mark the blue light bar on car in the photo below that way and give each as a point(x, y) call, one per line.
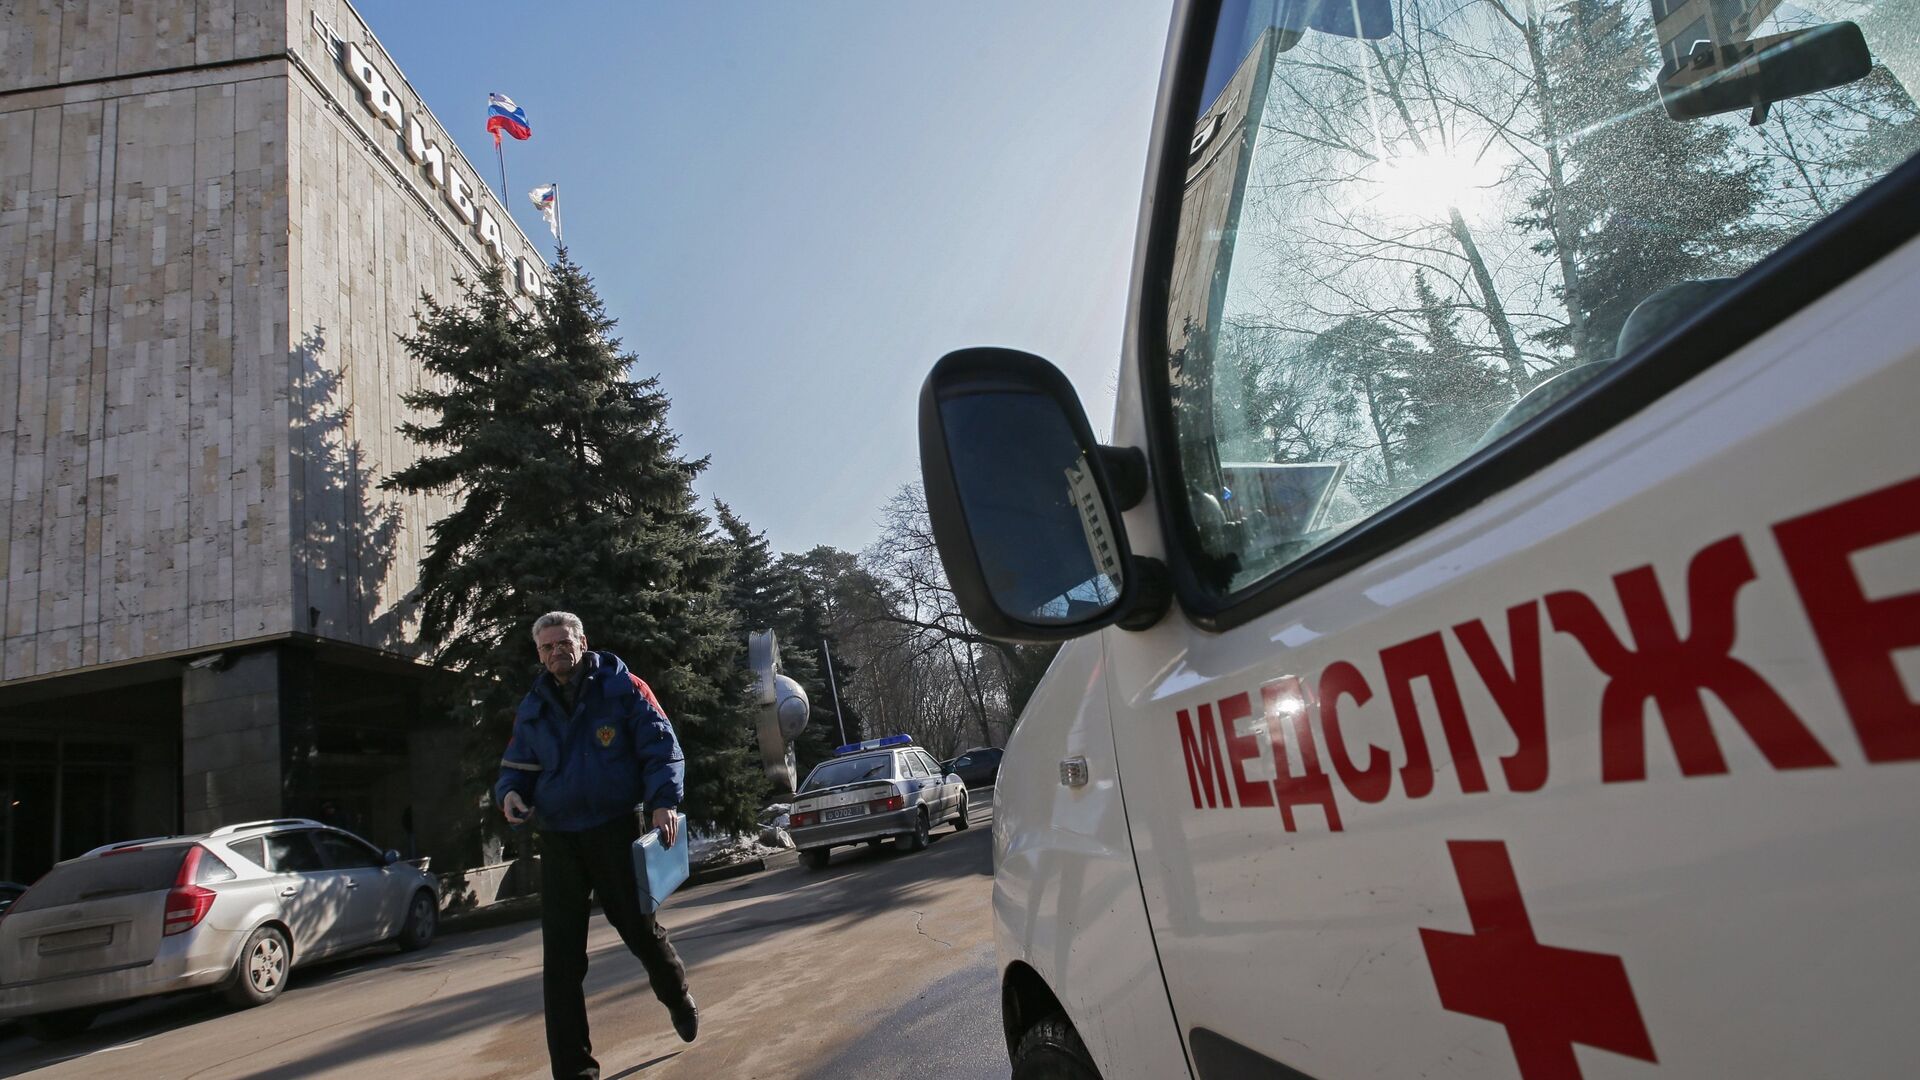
point(873, 744)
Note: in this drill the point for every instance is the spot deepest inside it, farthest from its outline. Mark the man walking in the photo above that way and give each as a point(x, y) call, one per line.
point(590, 743)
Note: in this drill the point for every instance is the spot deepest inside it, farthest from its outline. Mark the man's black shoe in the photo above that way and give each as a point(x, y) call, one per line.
point(686, 1019)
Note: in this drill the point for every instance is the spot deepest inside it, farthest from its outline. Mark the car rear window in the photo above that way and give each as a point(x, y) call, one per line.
point(119, 874)
point(849, 771)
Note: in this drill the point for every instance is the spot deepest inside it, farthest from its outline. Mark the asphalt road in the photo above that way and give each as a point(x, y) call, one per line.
point(882, 965)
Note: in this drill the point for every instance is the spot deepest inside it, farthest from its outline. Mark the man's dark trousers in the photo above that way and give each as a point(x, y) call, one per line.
point(575, 866)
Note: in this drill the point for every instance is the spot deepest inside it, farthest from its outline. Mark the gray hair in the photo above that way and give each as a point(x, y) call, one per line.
point(559, 618)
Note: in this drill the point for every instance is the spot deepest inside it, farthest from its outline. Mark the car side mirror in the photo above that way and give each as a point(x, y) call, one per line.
point(1026, 507)
point(389, 857)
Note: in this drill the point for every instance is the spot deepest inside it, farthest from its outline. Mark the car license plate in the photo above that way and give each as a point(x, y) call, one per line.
point(841, 813)
point(91, 937)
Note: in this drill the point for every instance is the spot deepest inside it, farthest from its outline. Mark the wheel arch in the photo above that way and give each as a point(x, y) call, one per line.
point(1025, 999)
point(286, 934)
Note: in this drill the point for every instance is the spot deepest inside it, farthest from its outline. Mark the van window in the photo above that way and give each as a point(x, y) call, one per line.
point(1392, 251)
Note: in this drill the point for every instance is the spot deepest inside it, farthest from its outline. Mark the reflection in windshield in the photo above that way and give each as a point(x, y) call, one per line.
point(1386, 244)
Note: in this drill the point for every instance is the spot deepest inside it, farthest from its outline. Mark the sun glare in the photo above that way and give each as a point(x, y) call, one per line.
point(1426, 186)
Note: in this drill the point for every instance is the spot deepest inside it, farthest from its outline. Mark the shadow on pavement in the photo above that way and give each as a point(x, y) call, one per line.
point(643, 1066)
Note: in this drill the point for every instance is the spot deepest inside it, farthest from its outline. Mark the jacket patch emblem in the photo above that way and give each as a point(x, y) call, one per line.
point(605, 734)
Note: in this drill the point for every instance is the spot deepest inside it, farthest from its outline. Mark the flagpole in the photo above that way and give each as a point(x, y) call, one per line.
point(559, 228)
point(501, 154)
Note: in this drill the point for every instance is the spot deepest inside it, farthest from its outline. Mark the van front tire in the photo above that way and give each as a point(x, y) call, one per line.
point(1052, 1050)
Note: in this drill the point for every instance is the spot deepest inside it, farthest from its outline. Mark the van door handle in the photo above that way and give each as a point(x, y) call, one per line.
point(352, 884)
point(289, 891)
point(1073, 772)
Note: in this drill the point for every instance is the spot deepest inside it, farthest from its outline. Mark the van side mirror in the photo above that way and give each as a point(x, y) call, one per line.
point(1709, 79)
point(1026, 507)
point(389, 857)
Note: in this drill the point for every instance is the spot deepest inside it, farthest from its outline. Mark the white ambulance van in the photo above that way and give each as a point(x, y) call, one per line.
point(1493, 621)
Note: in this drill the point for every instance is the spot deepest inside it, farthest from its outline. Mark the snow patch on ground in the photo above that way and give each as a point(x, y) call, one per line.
point(706, 852)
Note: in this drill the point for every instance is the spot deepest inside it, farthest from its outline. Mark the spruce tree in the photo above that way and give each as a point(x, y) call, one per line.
point(571, 494)
point(1366, 359)
point(1453, 396)
point(838, 602)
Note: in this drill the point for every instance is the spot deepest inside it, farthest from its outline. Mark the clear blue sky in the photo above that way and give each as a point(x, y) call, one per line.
point(793, 209)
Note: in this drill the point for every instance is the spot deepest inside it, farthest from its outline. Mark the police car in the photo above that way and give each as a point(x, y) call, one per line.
point(1493, 622)
point(870, 791)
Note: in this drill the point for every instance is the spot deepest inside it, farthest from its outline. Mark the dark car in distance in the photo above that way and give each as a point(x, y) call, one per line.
point(978, 767)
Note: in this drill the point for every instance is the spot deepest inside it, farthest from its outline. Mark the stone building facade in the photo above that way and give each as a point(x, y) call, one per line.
point(216, 216)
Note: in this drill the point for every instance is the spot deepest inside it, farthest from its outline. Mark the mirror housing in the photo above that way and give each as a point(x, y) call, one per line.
point(1754, 74)
point(1025, 505)
point(391, 856)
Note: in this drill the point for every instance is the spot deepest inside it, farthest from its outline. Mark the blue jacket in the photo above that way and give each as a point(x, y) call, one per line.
point(615, 752)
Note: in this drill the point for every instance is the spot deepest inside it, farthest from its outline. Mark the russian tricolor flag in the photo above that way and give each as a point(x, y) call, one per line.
point(504, 115)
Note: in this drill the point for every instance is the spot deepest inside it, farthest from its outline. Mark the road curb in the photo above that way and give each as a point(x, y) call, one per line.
point(518, 909)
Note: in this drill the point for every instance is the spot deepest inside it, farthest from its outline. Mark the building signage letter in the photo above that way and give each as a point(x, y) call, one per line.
point(374, 90)
point(490, 234)
point(460, 197)
point(429, 156)
point(530, 282)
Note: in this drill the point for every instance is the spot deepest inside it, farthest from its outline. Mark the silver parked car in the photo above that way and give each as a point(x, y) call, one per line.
point(233, 910)
point(870, 791)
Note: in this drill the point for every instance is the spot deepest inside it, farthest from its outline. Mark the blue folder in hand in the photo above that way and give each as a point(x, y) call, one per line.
point(660, 869)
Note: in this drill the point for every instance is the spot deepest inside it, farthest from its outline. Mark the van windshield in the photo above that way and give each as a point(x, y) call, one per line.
point(1394, 249)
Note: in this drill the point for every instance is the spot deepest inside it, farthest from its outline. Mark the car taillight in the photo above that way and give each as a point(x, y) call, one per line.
point(187, 903)
point(804, 817)
point(891, 802)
